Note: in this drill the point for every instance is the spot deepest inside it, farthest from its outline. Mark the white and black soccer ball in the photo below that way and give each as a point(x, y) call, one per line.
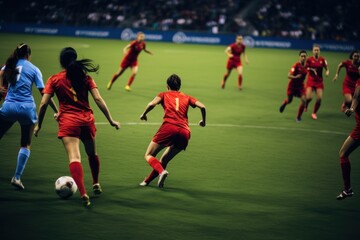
point(65, 187)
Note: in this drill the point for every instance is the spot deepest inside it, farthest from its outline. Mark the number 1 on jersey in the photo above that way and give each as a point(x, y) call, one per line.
point(177, 104)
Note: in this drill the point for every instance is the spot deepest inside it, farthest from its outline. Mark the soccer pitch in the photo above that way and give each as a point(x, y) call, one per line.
point(251, 173)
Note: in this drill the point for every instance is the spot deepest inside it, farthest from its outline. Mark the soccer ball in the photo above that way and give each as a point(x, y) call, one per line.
point(65, 187)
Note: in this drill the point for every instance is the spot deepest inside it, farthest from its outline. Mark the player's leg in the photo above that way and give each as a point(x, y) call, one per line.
point(150, 156)
point(94, 163)
point(134, 71)
point(226, 75)
point(23, 155)
point(116, 76)
point(347, 148)
point(347, 102)
point(71, 145)
point(240, 76)
point(319, 94)
point(4, 127)
point(301, 108)
point(286, 101)
point(308, 95)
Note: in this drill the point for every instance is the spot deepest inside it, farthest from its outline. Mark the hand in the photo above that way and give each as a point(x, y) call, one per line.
point(36, 130)
point(349, 111)
point(115, 124)
point(327, 73)
point(202, 123)
point(56, 116)
point(143, 117)
point(335, 78)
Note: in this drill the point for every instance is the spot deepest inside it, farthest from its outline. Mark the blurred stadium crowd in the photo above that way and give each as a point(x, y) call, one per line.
point(307, 19)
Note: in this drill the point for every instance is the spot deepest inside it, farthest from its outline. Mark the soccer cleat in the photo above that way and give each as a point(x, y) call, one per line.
point(143, 184)
point(344, 194)
point(282, 108)
point(313, 116)
point(17, 183)
point(240, 88)
point(162, 177)
point(298, 119)
point(109, 85)
point(85, 200)
point(97, 189)
point(127, 88)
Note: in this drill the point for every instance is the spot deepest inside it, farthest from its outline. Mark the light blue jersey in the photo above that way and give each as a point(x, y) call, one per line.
point(28, 75)
point(19, 103)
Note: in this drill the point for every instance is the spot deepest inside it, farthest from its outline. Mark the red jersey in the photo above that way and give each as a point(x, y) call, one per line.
point(352, 71)
point(176, 105)
point(74, 106)
point(318, 65)
point(236, 50)
point(134, 51)
point(296, 69)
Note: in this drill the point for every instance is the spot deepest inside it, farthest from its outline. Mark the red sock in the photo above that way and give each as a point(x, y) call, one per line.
point(155, 164)
point(151, 176)
point(300, 110)
point(94, 163)
point(77, 174)
point(240, 80)
point(345, 170)
point(131, 79)
point(317, 106)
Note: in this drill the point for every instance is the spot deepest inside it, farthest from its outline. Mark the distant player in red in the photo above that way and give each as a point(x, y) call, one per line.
point(76, 118)
point(350, 144)
point(174, 133)
point(314, 82)
point(352, 75)
point(131, 52)
point(234, 52)
point(296, 86)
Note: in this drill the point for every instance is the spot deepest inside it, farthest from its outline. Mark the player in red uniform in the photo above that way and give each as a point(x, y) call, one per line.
point(350, 144)
point(352, 75)
point(174, 133)
point(131, 52)
point(314, 82)
point(296, 87)
point(234, 52)
point(75, 118)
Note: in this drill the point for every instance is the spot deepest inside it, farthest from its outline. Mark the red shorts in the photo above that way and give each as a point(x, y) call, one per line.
point(85, 132)
point(125, 63)
point(232, 64)
point(315, 85)
point(348, 88)
point(296, 92)
point(172, 135)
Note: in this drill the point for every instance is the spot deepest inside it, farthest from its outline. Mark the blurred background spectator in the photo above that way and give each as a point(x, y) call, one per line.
point(320, 19)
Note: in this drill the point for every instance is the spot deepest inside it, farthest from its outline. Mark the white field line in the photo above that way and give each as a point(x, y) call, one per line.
point(236, 126)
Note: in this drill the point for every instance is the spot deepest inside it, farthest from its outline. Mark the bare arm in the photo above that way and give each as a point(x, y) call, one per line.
point(246, 58)
point(103, 107)
point(202, 122)
point(51, 102)
point(294, 76)
point(126, 49)
point(150, 107)
point(148, 52)
point(42, 110)
point(228, 52)
point(337, 71)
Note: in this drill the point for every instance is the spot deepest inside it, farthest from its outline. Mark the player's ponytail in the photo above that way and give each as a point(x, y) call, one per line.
point(10, 71)
point(76, 70)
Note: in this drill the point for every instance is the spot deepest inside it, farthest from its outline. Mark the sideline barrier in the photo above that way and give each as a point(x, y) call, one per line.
point(127, 34)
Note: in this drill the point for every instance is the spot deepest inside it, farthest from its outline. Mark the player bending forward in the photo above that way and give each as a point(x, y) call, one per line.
point(174, 133)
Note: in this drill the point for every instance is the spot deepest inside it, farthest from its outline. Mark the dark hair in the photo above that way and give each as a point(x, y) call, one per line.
point(10, 72)
point(302, 51)
point(352, 54)
point(76, 70)
point(174, 82)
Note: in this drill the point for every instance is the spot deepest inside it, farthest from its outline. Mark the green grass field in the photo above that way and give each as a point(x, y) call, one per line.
point(252, 173)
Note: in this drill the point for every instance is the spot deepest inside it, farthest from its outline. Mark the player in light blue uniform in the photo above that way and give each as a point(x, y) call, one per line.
point(19, 105)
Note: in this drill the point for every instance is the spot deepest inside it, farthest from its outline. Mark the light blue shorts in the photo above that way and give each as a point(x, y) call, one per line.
point(24, 113)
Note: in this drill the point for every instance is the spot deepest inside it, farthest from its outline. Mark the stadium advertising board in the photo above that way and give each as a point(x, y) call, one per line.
point(179, 37)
